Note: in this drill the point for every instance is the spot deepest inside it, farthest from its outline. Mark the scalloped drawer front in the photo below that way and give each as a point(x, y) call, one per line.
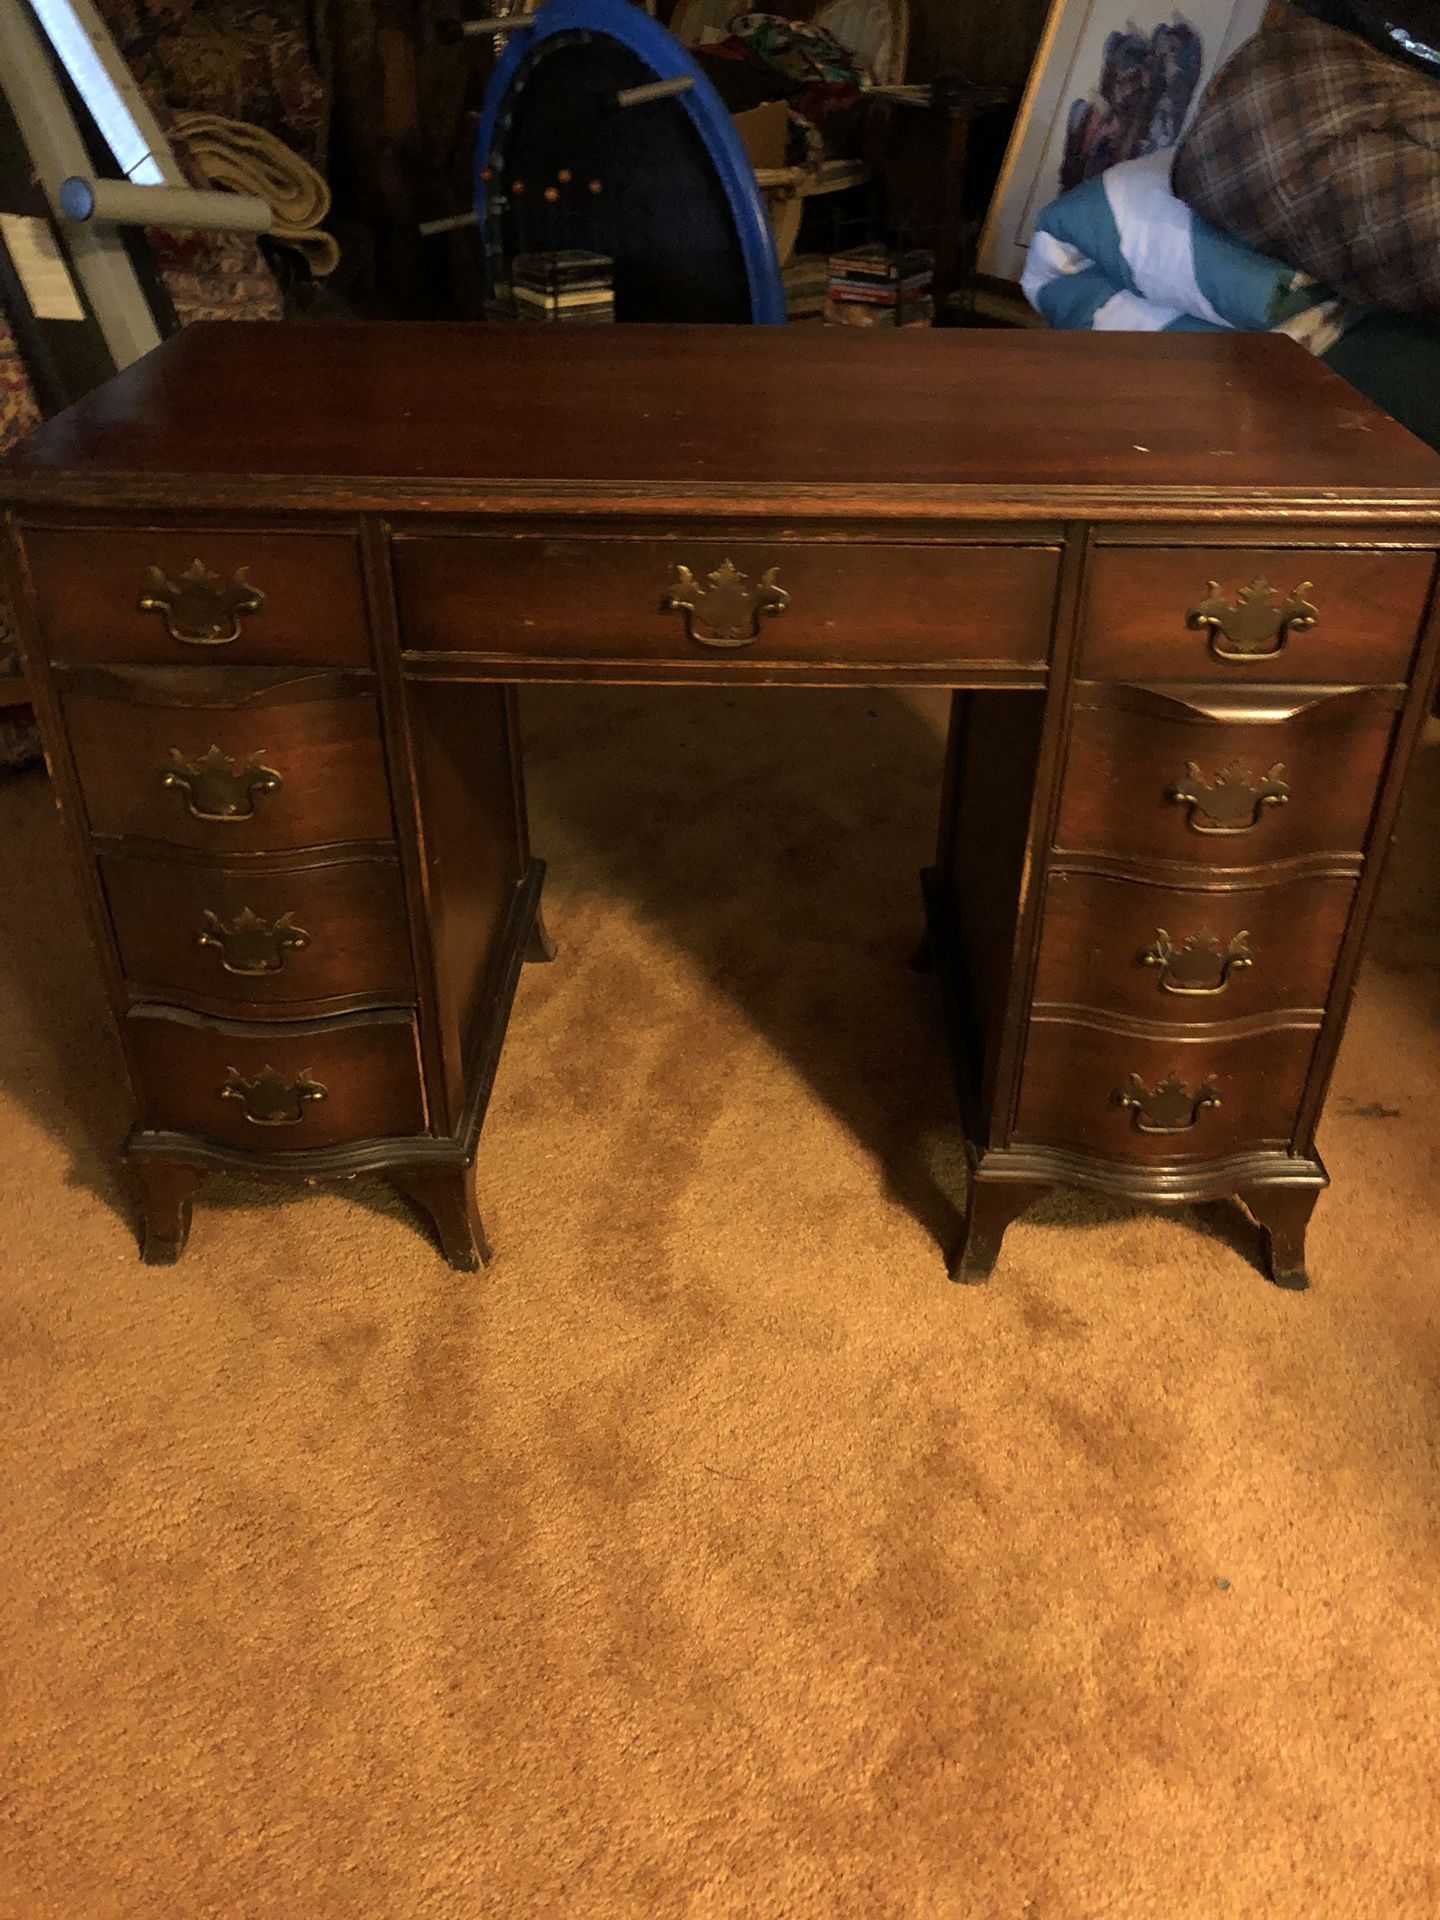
point(224, 933)
point(1176, 953)
point(281, 1088)
point(1099, 1089)
point(249, 776)
point(1149, 778)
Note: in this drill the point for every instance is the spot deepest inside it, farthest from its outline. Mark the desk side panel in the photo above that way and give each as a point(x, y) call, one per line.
point(992, 767)
point(474, 851)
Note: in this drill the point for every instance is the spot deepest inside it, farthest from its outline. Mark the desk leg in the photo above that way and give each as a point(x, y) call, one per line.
point(1283, 1215)
point(446, 1196)
point(167, 1188)
point(990, 1206)
point(540, 945)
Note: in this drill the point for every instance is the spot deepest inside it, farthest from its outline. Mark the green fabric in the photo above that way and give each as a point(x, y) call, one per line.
point(1394, 360)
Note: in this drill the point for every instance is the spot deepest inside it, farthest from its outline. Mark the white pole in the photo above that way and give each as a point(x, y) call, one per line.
point(119, 203)
point(56, 151)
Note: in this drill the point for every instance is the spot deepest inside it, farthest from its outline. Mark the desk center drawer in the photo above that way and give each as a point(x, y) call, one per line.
point(709, 601)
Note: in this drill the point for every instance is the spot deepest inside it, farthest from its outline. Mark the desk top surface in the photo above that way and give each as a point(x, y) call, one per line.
point(742, 419)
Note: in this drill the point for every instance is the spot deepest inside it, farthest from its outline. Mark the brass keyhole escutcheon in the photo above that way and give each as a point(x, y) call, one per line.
point(1256, 624)
point(215, 789)
point(200, 609)
point(726, 610)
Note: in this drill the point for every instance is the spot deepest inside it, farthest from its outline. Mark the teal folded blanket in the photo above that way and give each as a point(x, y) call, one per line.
point(1120, 252)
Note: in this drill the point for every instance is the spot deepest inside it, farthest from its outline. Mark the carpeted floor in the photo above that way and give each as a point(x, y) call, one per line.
point(711, 1555)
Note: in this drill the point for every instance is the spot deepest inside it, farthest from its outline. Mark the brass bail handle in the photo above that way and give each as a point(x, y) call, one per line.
point(1256, 624)
point(1198, 966)
point(1233, 800)
point(725, 610)
point(269, 1100)
point(200, 609)
point(251, 946)
point(1172, 1107)
point(214, 788)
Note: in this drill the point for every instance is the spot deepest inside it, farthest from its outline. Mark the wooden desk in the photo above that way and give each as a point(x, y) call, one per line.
point(279, 584)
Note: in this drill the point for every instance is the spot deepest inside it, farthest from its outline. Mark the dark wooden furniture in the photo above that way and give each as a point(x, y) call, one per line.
point(932, 195)
point(279, 584)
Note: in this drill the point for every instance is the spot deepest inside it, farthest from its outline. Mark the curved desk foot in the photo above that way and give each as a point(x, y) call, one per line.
point(539, 945)
point(1283, 1214)
point(167, 1188)
point(446, 1196)
point(990, 1206)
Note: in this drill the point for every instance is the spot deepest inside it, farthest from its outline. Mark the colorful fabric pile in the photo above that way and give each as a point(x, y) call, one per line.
point(767, 57)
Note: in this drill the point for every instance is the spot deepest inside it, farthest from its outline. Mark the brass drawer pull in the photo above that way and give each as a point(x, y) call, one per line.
point(250, 946)
point(1199, 965)
point(730, 606)
point(267, 1101)
point(1233, 801)
point(1168, 1108)
point(200, 609)
point(215, 789)
point(1257, 625)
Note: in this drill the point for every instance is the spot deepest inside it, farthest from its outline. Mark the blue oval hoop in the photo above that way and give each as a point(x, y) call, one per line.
point(634, 30)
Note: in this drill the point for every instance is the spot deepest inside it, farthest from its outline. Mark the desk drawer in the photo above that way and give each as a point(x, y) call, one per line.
point(1101, 1090)
point(167, 596)
point(272, 938)
point(1155, 778)
point(795, 603)
point(1195, 613)
point(1176, 953)
point(280, 767)
point(279, 1088)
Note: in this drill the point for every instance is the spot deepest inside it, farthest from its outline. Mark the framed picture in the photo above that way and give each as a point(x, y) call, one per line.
point(1111, 80)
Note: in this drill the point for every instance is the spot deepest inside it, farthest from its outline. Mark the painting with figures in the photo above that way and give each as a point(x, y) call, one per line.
point(1111, 81)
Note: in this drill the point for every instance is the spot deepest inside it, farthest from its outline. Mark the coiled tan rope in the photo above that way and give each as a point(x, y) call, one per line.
point(246, 159)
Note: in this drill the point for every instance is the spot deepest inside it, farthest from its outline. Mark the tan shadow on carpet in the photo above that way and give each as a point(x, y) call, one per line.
point(776, 836)
point(62, 1059)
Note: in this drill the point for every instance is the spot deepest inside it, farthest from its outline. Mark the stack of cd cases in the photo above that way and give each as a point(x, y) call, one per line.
point(874, 286)
point(572, 286)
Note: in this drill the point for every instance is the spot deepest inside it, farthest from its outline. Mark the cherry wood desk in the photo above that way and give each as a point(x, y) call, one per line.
point(278, 585)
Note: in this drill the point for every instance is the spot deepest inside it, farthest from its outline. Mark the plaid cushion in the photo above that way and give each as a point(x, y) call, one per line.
point(1314, 147)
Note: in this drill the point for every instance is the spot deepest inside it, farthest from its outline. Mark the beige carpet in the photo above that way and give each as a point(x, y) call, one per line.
point(711, 1555)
